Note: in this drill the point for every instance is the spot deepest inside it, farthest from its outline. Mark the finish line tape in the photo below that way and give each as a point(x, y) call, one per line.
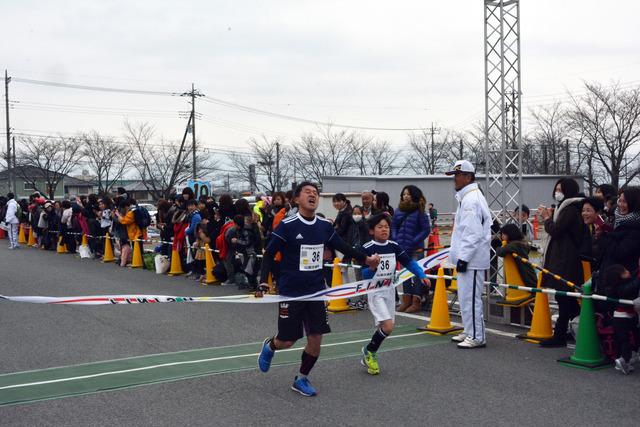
point(348, 290)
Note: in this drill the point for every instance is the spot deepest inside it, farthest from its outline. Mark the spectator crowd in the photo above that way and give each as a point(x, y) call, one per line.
point(601, 231)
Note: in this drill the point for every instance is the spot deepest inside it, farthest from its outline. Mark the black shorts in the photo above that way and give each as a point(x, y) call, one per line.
point(298, 317)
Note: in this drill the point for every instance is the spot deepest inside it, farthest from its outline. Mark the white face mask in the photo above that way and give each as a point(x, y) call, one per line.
point(357, 218)
point(558, 196)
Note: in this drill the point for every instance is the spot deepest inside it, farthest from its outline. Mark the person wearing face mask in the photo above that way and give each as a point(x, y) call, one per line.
point(566, 231)
point(358, 233)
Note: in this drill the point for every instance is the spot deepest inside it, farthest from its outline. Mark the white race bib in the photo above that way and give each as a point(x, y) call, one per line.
point(386, 268)
point(311, 257)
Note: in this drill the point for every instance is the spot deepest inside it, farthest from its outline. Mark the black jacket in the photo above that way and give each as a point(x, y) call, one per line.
point(620, 246)
point(562, 256)
point(343, 223)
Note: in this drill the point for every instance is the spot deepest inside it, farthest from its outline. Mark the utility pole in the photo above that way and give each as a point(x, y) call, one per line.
point(433, 132)
point(193, 94)
point(277, 165)
point(13, 140)
point(7, 79)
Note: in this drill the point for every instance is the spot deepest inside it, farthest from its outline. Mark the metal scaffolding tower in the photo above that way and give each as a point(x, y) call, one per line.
point(503, 139)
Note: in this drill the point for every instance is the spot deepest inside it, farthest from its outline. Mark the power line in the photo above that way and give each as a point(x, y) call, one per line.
point(258, 111)
point(95, 88)
point(200, 148)
point(211, 100)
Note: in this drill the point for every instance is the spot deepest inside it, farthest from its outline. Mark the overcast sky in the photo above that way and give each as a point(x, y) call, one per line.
point(401, 64)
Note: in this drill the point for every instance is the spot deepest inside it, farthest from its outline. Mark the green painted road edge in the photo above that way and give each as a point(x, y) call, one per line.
point(25, 387)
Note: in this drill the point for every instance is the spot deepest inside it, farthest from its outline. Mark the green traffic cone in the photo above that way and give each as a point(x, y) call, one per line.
point(588, 354)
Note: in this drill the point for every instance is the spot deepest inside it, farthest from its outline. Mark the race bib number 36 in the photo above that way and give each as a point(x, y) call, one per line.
point(311, 257)
point(387, 267)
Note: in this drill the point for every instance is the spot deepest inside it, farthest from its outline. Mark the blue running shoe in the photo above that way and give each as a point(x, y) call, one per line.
point(302, 386)
point(266, 355)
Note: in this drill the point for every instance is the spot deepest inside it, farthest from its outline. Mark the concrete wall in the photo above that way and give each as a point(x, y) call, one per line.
point(536, 189)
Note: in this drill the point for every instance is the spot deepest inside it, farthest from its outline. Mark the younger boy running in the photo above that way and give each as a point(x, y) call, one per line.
point(301, 239)
point(382, 304)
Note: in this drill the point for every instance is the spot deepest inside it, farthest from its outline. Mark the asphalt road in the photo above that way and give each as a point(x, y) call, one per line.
point(509, 382)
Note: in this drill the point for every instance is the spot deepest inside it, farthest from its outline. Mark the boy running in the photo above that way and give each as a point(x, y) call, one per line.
point(382, 304)
point(301, 239)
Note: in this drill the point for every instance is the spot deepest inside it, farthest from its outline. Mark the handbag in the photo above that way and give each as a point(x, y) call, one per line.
point(162, 264)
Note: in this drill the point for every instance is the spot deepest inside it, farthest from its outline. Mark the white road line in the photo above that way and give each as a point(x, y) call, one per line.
point(186, 362)
point(426, 319)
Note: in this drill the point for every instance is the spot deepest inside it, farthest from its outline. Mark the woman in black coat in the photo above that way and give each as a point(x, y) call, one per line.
point(562, 255)
point(622, 245)
point(343, 221)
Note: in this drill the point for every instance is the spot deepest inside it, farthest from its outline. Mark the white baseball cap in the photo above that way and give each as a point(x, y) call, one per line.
point(463, 166)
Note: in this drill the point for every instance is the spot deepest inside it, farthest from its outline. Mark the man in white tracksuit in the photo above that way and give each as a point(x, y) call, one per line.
point(12, 221)
point(470, 252)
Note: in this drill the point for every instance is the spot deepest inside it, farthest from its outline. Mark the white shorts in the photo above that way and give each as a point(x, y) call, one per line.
point(382, 305)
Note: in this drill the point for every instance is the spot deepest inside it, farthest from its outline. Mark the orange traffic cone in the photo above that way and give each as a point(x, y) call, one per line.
point(136, 260)
point(209, 264)
point(272, 286)
point(431, 245)
point(176, 265)
point(85, 242)
point(337, 305)
point(541, 322)
point(32, 238)
point(108, 250)
point(440, 323)
point(62, 248)
point(21, 237)
point(586, 270)
point(453, 287)
point(513, 297)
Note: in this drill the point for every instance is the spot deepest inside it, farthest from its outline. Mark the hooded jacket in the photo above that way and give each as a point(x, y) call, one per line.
point(471, 238)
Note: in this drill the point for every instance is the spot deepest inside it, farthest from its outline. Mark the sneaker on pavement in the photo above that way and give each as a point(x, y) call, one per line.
point(266, 355)
point(624, 367)
point(459, 338)
point(370, 361)
point(469, 343)
point(303, 386)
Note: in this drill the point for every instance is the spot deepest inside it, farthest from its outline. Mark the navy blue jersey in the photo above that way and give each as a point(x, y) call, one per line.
point(390, 254)
point(301, 243)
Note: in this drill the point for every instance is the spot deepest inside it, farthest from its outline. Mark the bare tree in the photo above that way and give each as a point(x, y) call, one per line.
point(271, 172)
point(551, 133)
point(326, 152)
point(374, 157)
point(106, 158)
point(47, 159)
point(162, 166)
point(430, 153)
point(610, 120)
